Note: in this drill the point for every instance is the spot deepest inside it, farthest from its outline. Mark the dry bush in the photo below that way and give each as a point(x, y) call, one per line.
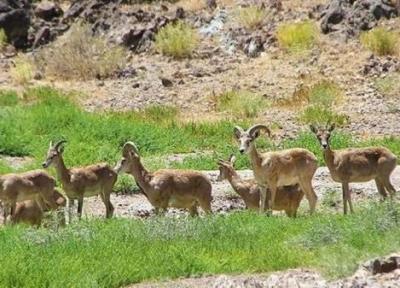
point(297, 37)
point(381, 41)
point(193, 5)
point(22, 71)
point(80, 55)
point(389, 86)
point(251, 17)
point(177, 40)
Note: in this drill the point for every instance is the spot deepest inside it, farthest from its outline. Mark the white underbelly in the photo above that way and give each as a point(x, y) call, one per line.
point(286, 181)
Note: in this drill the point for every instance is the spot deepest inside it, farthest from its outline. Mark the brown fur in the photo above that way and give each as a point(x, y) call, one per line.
point(98, 179)
point(167, 187)
point(278, 168)
point(287, 198)
point(31, 185)
point(357, 165)
point(31, 212)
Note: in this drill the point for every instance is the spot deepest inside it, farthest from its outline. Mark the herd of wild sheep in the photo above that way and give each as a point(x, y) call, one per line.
point(281, 179)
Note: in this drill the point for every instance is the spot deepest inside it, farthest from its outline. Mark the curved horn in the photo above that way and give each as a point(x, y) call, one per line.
point(257, 127)
point(130, 146)
point(59, 143)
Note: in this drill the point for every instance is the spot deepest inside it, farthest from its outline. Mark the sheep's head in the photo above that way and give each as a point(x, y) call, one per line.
point(246, 138)
point(323, 134)
point(130, 154)
point(226, 168)
point(54, 153)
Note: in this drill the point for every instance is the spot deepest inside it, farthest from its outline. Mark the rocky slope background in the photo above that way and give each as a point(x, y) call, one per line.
point(229, 57)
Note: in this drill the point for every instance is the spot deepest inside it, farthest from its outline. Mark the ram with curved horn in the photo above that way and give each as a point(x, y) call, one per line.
point(278, 168)
point(165, 188)
point(97, 179)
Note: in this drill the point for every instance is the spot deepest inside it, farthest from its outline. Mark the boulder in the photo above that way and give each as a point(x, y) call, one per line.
point(48, 11)
point(15, 23)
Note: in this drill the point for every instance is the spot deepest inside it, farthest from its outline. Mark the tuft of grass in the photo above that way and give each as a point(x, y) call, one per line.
point(251, 17)
point(22, 71)
point(320, 115)
point(240, 103)
point(177, 40)
point(297, 37)
point(389, 86)
point(84, 253)
point(3, 39)
point(8, 98)
point(325, 93)
point(160, 114)
point(84, 56)
point(381, 41)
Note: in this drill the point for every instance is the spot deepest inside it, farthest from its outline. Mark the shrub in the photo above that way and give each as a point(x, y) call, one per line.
point(22, 72)
point(251, 17)
point(80, 55)
point(3, 39)
point(296, 37)
point(320, 115)
point(325, 93)
point(177, 40)
point(192, 5)
point(389, 85)
point(8, 98)
point(381, 41)
point(240, 103)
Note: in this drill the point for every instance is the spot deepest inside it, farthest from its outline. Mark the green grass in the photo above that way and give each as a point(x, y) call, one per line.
point(297, 37)
point(389, 85)
point(28, 125)
point(320, 115)
point(177, 40)
point(381, 41)
point(116, 252)
point(241, 104)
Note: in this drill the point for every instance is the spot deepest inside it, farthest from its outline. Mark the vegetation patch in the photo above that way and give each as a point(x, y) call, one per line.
point(80, 55)
point(381, 41)
point(177, 40)
point(297, 37)
point(3, 39)
point(251, 17)
point(8, 98)
point(389, 86)
point(240, 103)
point(320, 115)
point(22, 71)
point(235, 243)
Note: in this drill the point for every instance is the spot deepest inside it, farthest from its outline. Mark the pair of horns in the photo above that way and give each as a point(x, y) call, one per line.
point(58, 144)
point(130, 146)
point(253, 129)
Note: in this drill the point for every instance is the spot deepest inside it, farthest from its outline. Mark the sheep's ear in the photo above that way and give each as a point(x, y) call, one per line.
point(332, 127)
point(313, 129)
point(232, 159)
point(237, 131)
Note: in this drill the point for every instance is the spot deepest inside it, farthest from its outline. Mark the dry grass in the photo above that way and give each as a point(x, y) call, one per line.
point(297, 37)
point(3, 39)
point(192, 5)
point(251, 17)
point(177, 40)
point(381, 41)
point(22, 71)
point(80, 55)
point(389, 86)
point(240, 104)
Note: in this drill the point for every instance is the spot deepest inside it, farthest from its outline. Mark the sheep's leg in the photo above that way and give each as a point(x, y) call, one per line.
point(348, 196)
point(345, 189)
point(67, 210)
point(271, 200)
point(263, 198)
point(80, 206)
point(389, 187)
point(193, 210)
point(308, 190)
point(381, 188)
point(105, 197)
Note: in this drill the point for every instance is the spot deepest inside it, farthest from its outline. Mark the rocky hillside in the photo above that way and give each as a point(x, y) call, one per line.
point(230, 56)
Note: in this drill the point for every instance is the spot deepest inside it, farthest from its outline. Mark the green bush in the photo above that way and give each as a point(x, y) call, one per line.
point(177, 40)
point(296, 37)
point(381, 41)
point(320, 115)
point(240, 103)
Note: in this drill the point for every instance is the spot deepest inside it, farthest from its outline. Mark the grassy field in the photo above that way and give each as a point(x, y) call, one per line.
point(116, 252)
